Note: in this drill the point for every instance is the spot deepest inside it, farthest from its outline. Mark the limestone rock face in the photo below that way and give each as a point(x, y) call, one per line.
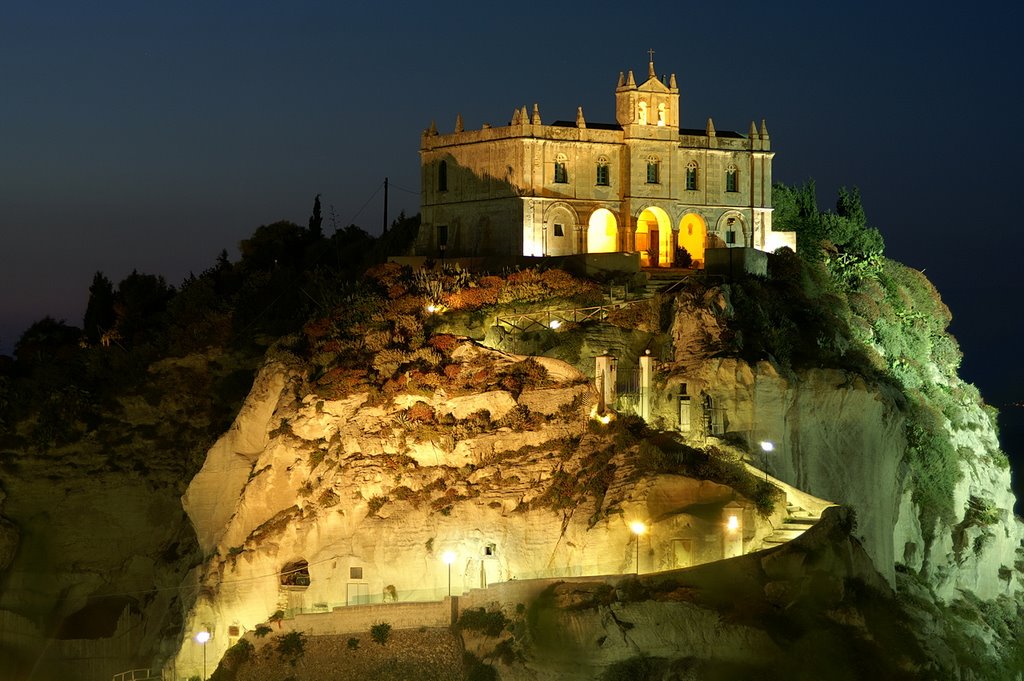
point(839, 438)
point(309, 504)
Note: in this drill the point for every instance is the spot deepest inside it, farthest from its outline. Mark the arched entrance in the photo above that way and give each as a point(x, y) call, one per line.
point(559, 233)
point(693, 232)
point(654, 238)
point(732, 230)
point(602, 232)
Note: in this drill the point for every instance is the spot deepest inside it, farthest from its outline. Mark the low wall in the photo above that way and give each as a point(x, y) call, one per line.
point(352, 619)
point(732, 262)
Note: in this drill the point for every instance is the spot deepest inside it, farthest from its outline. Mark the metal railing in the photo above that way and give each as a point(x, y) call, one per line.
point(136, 675)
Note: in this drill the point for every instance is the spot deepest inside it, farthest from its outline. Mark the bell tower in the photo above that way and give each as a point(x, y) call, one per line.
point(652, 103)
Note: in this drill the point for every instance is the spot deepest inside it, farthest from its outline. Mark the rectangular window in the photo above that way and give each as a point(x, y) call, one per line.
point(730, 180)
point(561, 175)
point(691, 178)
point(730, 237)
point(355, 573)
point(559, 230)
point(602, 175)
point(652, 173)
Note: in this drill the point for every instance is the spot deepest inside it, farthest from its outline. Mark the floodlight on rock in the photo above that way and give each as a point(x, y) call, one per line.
point(638, 528)
point(554, 324)
point(201, 638)
point(448, 557)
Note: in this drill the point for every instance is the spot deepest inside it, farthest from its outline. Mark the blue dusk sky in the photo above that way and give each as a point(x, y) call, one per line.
point(150, 135)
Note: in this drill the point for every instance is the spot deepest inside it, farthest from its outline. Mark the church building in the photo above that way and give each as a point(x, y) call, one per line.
point(642, 184)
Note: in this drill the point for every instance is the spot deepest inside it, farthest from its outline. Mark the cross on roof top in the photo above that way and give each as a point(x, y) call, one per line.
point(651, 52)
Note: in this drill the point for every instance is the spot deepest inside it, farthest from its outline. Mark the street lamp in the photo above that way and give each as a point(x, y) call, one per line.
point(638, 528)
point(201, 638)
point(766, 447)
point(449, 557)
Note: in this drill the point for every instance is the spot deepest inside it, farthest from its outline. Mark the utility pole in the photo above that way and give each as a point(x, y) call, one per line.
point(385, 206)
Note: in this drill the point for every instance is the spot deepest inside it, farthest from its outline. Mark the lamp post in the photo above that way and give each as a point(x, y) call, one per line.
point(201, 638)
point(638, 528)
point(449, 557)
point(766, 447)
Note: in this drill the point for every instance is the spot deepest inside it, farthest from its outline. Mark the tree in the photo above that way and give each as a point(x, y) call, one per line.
point(139, 304)
point(99, 312)
point(279, 243)
point(316, 220)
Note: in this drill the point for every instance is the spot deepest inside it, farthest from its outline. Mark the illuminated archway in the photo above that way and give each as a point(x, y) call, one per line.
point(654, 238)
point(602, 232)
point(558, 235)
point(693, 233)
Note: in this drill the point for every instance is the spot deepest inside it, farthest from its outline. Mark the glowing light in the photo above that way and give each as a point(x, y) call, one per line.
point(448, 557)
point(202, 637)
point(732, 524)
point(637, 527)
point(602, 232)
point(554, 323)
point(767, 446)
point(431, 308)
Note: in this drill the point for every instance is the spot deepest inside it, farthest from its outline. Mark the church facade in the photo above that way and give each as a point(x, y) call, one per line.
point(641, 184)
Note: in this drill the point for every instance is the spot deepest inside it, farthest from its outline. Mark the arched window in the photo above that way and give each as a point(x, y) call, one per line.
point(691, 175)
point(661, 114)
point(653, 170)
point(561, 172)
point(603, 176)
point(731, 182)
point(442, 176)
point(643, 113)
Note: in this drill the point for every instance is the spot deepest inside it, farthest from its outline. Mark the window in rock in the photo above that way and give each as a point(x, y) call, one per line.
point(603, 175)
point(295, 573)
point(490, 550)
point(730, 179)
point(653, 167)
point(559, 230)
point(561, 172)
point(355, 573)
point(442, 176)
point(691, 175)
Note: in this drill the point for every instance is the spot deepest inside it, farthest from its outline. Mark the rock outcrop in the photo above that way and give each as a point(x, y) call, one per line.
point(349, 500)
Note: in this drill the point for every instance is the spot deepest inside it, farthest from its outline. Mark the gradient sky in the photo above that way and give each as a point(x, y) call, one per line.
point(151, 135)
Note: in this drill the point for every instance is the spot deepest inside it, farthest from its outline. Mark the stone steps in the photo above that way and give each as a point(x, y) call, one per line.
point(798, 520)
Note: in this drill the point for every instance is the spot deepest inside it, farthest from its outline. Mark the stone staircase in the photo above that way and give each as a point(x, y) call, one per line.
point(798, 520)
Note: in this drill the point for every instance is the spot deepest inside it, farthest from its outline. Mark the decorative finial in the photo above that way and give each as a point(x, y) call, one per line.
point(630, 81)
point(580, 121)
point(516, 120)
point(622, 80)
point(672, 81)
point(753, 130)
point(650, 65)
point(458, 122)
point(433, 129)
point(711, 128)
point(764, 130)
point(535, 119)
point(524, 117)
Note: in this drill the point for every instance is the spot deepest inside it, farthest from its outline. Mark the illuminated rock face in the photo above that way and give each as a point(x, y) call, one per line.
point(639, 184)
point(839, 438)
point(371, 496)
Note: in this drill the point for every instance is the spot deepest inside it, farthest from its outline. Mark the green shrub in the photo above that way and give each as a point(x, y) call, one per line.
point(476, 670)
point(488, 623)
point(353, 643)
point(261, 630)
point(291, 646)
point(380, 632)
